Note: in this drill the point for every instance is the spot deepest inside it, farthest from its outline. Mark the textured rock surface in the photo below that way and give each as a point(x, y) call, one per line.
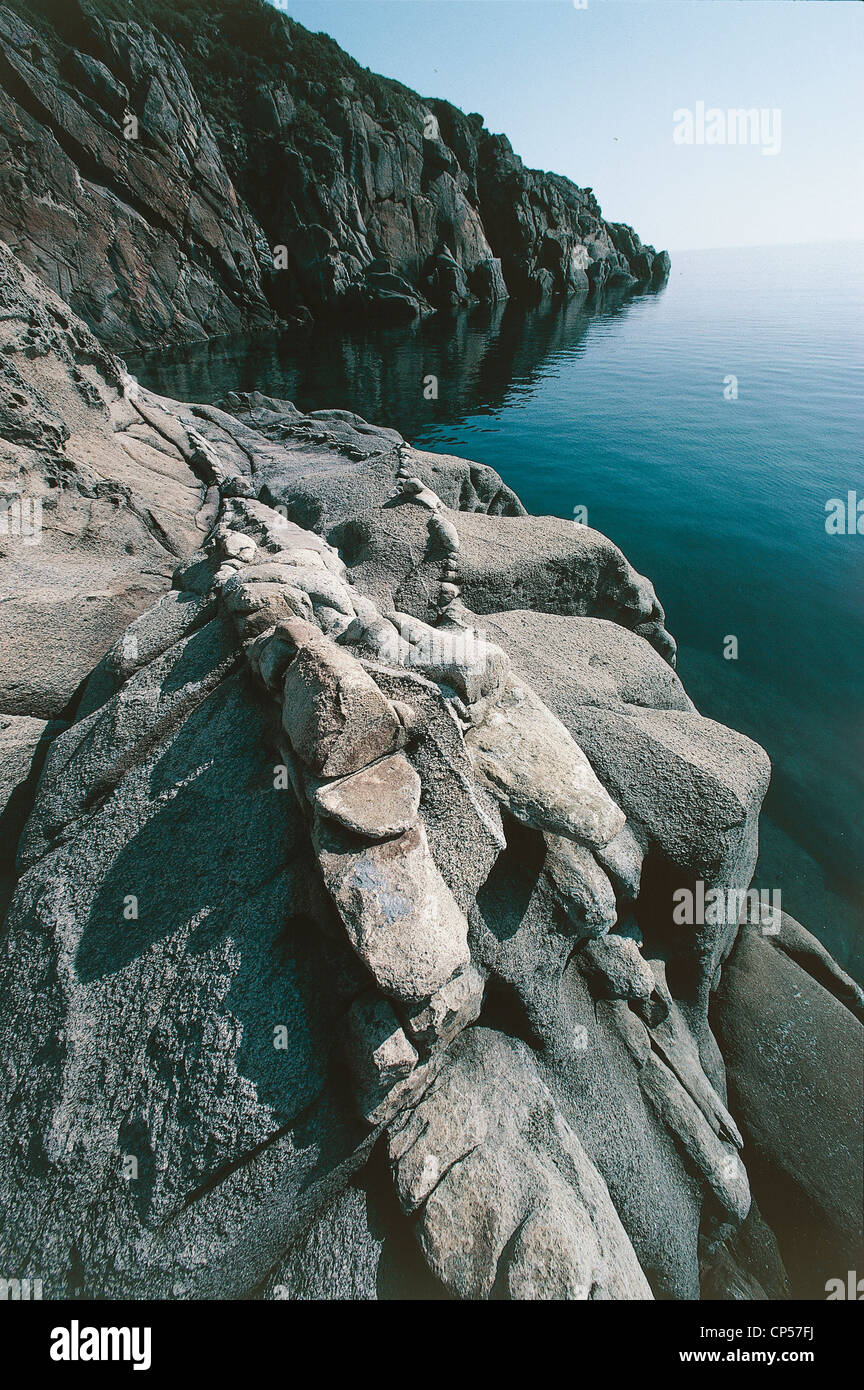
point(183, 174)
point(381, 800)
point(340, 958)
point(505, 1190)
point(531, 763)
point(400, 915)
point(116, 503)
point(769, 1012)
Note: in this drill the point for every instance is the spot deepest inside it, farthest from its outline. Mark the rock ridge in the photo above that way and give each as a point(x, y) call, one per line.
point(199, 170)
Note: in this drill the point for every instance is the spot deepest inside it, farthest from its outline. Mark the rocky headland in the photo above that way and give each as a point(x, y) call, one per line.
point(344, 804)
point(180, 169)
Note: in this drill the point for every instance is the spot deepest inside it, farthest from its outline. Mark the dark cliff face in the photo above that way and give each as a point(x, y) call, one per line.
point(181, 170)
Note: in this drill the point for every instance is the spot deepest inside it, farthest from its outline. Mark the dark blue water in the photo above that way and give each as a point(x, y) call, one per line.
point(720, 501)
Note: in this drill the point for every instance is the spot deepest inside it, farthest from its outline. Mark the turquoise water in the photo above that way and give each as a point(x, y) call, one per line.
point(721, 502)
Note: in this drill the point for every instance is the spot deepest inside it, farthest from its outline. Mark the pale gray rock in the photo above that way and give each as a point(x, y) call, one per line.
point(271, 653)
point(793, 1052)
point(455, 656)
point(615, 965)
point(333, 712)
point(195, 949)
point(716, 1159)
point(166, 1010)
point(622, 860)
point(379, 801)
point(552, 566)
point(444, 532)
point(172, 618)
point(586, 893)
point(462, 820)
point(659, 764)
point(23, 742)
point(503, 1188)
point(456, 1005)
point(20, 736)
point(110, 505)
point(399, 914)
point(572, 661)
point(380, 1056)
point(808, 952)
point(539, 773)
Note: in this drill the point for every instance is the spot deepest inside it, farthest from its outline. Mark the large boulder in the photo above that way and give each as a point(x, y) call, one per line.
point(795, 1060)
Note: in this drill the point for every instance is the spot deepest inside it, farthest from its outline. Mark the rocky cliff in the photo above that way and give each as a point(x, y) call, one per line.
point(186, 169)
point(340, 958)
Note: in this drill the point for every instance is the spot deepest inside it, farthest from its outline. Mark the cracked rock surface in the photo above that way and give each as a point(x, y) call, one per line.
point(339, 957)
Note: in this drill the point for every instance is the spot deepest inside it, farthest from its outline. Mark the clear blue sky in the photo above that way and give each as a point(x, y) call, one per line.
point(590, 93)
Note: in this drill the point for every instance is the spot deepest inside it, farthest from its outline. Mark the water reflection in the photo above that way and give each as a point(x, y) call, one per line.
point(478, 358)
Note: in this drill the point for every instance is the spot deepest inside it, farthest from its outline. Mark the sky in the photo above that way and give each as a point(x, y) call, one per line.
point(591, 93)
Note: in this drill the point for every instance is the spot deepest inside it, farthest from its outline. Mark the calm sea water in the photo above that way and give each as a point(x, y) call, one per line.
point(721, 502)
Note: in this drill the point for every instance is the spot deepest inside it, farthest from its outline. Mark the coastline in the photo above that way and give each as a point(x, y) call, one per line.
point(298, 715)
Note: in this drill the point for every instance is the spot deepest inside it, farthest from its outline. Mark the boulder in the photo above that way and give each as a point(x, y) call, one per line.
point(399, 914)
point(586, 893)
point(502, 1187)
point(456, 1005)
point(334, 714)
point(530, 762)
point(378, 802)
point(793, 1053)
point(615, 965)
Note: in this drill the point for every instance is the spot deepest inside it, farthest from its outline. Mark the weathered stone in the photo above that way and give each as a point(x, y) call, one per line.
point(272, 652)
point(399, 914)
point(536, 769)
point(485, 1156)
point(235, 545)
point(622, 859)
point(164, 788)
point(615, 967)
point(459, 657)
point(585, 892)
point(445, 533)
point(793, 1053)
point(379, 1053)
point(454, 1007)
point(333, 712)
point(379, 801)
point(277, 600)
point(715, 1159)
